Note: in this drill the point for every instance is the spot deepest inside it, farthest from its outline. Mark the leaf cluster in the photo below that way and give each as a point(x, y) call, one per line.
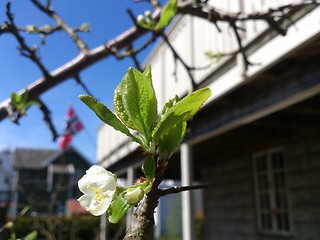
point(167, 13)
point(21, 102)
point(158, 135)
point(136, 113)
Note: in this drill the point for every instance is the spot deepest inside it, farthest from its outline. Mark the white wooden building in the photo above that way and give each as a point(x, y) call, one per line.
point(257, 140)
point(7, 178)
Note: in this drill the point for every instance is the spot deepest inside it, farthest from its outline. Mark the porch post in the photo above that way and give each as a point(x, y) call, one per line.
point(130, 179)
point(186, 179)
point(103, 227)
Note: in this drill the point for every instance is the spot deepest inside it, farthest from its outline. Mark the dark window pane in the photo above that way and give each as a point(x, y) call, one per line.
point(263, 182)
point(264, 202)
point(281, 201)
point(266, 221)
point(286, 222)
point(283, 222)
point(261, 163)
point(277, 160)
point(279, 181)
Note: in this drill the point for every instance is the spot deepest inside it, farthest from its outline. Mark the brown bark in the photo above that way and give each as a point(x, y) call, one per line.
point(142, 220)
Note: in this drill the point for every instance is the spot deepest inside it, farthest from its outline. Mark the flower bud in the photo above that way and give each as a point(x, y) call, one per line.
point(9, 225)
point(148, 14)
point(134, 196)
point(140, 18)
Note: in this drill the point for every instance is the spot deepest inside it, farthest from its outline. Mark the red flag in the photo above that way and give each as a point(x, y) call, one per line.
point(73, 126)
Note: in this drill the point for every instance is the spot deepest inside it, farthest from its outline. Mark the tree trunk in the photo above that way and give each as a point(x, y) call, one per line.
point(142, 220)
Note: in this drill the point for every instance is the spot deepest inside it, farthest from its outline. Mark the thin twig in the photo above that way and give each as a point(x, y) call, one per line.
point(47, 118)
point(240, 46)
point(136, 62)
point(77, 40)
point(85, 88)
point(171, 190)
point(130, 52)
point(24, 49)
point(177, 57)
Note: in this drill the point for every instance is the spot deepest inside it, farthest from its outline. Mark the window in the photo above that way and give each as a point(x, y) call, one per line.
point(271, 192)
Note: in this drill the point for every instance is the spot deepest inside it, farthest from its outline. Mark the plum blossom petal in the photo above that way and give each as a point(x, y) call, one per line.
point(98, 186)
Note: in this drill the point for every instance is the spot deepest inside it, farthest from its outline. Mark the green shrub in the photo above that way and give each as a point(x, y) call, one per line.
point(64, 228)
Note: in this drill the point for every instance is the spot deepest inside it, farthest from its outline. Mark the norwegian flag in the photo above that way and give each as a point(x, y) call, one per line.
point(73, 126)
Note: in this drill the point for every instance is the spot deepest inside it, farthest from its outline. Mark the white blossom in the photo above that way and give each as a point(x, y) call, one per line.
point(98, 186)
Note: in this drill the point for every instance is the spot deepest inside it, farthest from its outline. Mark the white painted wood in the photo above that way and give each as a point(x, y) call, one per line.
point(130, 180)
point(103, 227)
point(188, 232)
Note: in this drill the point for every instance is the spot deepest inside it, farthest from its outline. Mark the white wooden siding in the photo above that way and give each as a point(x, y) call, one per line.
point(191, 37)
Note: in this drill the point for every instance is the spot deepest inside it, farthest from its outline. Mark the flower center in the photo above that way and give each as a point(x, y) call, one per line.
point(99, 196)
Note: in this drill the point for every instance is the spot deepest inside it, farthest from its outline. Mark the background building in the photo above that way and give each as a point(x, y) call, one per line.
point(257, 140)
point(6, 183)
point(44, 180)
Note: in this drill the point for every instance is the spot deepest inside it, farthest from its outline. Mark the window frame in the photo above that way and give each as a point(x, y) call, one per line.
point(271, 192)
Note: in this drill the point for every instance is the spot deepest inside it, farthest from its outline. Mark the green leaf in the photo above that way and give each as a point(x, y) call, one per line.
point(146, 25)
point(85, 27)
point(214, 57)
point(13, 236)
point(21, 103)
point(169, 141)
point(168, 12)
point(24, 96)
point(120, 110)
point(181, 112)
point(16, 98)
point(139, 100)
point(169, 104)
point(32, 236)
point(117, 209)
point(149, 168)
point(106, 115)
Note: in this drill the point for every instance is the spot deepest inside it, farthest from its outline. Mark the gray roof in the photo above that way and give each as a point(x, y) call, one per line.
point(34, 158)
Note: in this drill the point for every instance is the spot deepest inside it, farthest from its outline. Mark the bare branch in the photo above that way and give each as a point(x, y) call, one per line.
point(200, 9)
point(206, 11)
point(240, 46)
point(76, 65)
point(24, 49)
point(171, 190)
point(136, 62)
point(77, 40)
point(47, 118)
point(177, 57)
point(85, 88)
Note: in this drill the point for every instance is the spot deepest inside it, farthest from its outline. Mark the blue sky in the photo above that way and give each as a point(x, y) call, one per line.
point(107, 19)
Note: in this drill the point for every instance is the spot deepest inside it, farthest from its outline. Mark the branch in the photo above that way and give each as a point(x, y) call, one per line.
point(177, 57)
point(24, 49)
point(240, 46)
point(171, 190)
point(136, 62)
point(47, 118)
point(77, 40)
point(82, 61)
point(212, 14)
point(76, 65)
point(85, 88)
